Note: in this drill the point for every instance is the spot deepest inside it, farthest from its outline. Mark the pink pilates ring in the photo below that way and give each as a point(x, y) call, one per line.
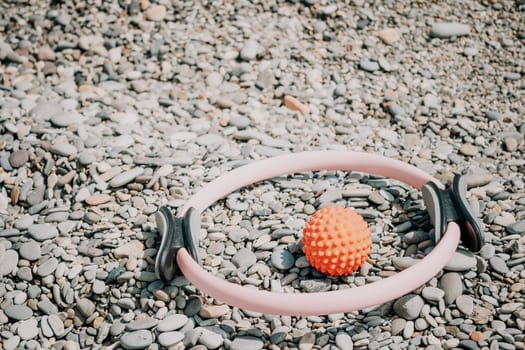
point(447, 207)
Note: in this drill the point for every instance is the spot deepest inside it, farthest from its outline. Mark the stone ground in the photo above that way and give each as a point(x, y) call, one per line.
point(109, 109)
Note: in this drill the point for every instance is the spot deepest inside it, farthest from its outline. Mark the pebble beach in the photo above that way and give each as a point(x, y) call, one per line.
point(111, 109)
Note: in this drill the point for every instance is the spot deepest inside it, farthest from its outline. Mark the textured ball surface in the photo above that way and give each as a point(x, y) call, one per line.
point(336, 241)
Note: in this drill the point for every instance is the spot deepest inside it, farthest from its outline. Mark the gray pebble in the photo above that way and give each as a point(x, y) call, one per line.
point(452, 285)
point(18, 312)
point(17, 159)
point(63, 149)
point(42, 232)
point(170, 338)
point(462, 260)
point(246, 343)
point(65, 119)
point(126, 177)
point(470, 51)
point(244, 258)
point(344, 341)
point(449, 29)
point(172, 322)
point(432, 294)
point(143, 323)
point(211, 340)
point(282, 259)
point(48, 267)
point(250, 50)
point(86, 307)
point(517, 228)
point(465, 304)
point(368, 65)
point(27, 329)
point(136, 340)
point(499, 265)
point(409, 306)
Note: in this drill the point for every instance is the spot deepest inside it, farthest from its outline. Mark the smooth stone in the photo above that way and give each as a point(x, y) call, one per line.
point(23, 222)
point(145, 323)
point(368, 65)
point(344, 341)
point(409, 306)
point(499, 265)
point(470, 51)
point(156, 13)
point(397, 326)
point(126, 177)
point(27, 329)
point(214, 311)
point(56, 324)
point(86, 307)
point(246, 343)
point(244, 258)
point(517, 228)
point(48, 267)
point(211, 340)
point(249, 51)
point(140, 339)
point(172, 322)
point(63, 149)
point(282, 259)
point(65, 119)
point(17, 159)
point(449, 29)
point(452, 285)
point(42, 232)
point(307, 341)
point(170, 338)
point(462, 260)
point(12, 343)
point(493, 115)
point(432, 294)
point(465, 304)
point(18, 312)
point(9, 262)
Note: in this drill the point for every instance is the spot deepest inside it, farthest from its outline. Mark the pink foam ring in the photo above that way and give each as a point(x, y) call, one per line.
point(302, 304)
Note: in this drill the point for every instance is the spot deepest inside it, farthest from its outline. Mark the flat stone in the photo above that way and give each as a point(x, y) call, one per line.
point(368, 65)
point(465, 304)
point(389, 36)
point(126, 177)
point(452, 285)
point(499, 265)
point(449, 29)
point(517, 228)
point(9, 262)
point(214, 311)
point(18, 312)
point(282, 259)
point(48, 267)
point(462, 260)
point(136, 340)
point(156, 13)
point(23, 223)
point(170, 338)
point(63, 149)
point(250, 50)
point(294, 104)
point(468, 150)
point(432, 294)
point(17, 159)
point(133, 248)
point(307, 341)
point(65, 119)
point(244, 258)
point(42, 232)
point(98, 199)
point(56, 324)
point(172, 322)
point(397, 326)
point(344, 341)
point(86, 307)
point(211, 340)
point(27, 329)
point(409, 306)
point(11, 343)
point(145, 323)
point(246, 343)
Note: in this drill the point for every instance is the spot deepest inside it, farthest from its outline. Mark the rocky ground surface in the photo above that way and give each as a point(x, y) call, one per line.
point(109, 109)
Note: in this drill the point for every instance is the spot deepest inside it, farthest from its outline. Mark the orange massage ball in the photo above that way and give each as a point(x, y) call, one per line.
point(336, 241)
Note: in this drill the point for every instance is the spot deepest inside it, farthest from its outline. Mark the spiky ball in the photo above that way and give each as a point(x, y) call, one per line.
point(336, 241)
